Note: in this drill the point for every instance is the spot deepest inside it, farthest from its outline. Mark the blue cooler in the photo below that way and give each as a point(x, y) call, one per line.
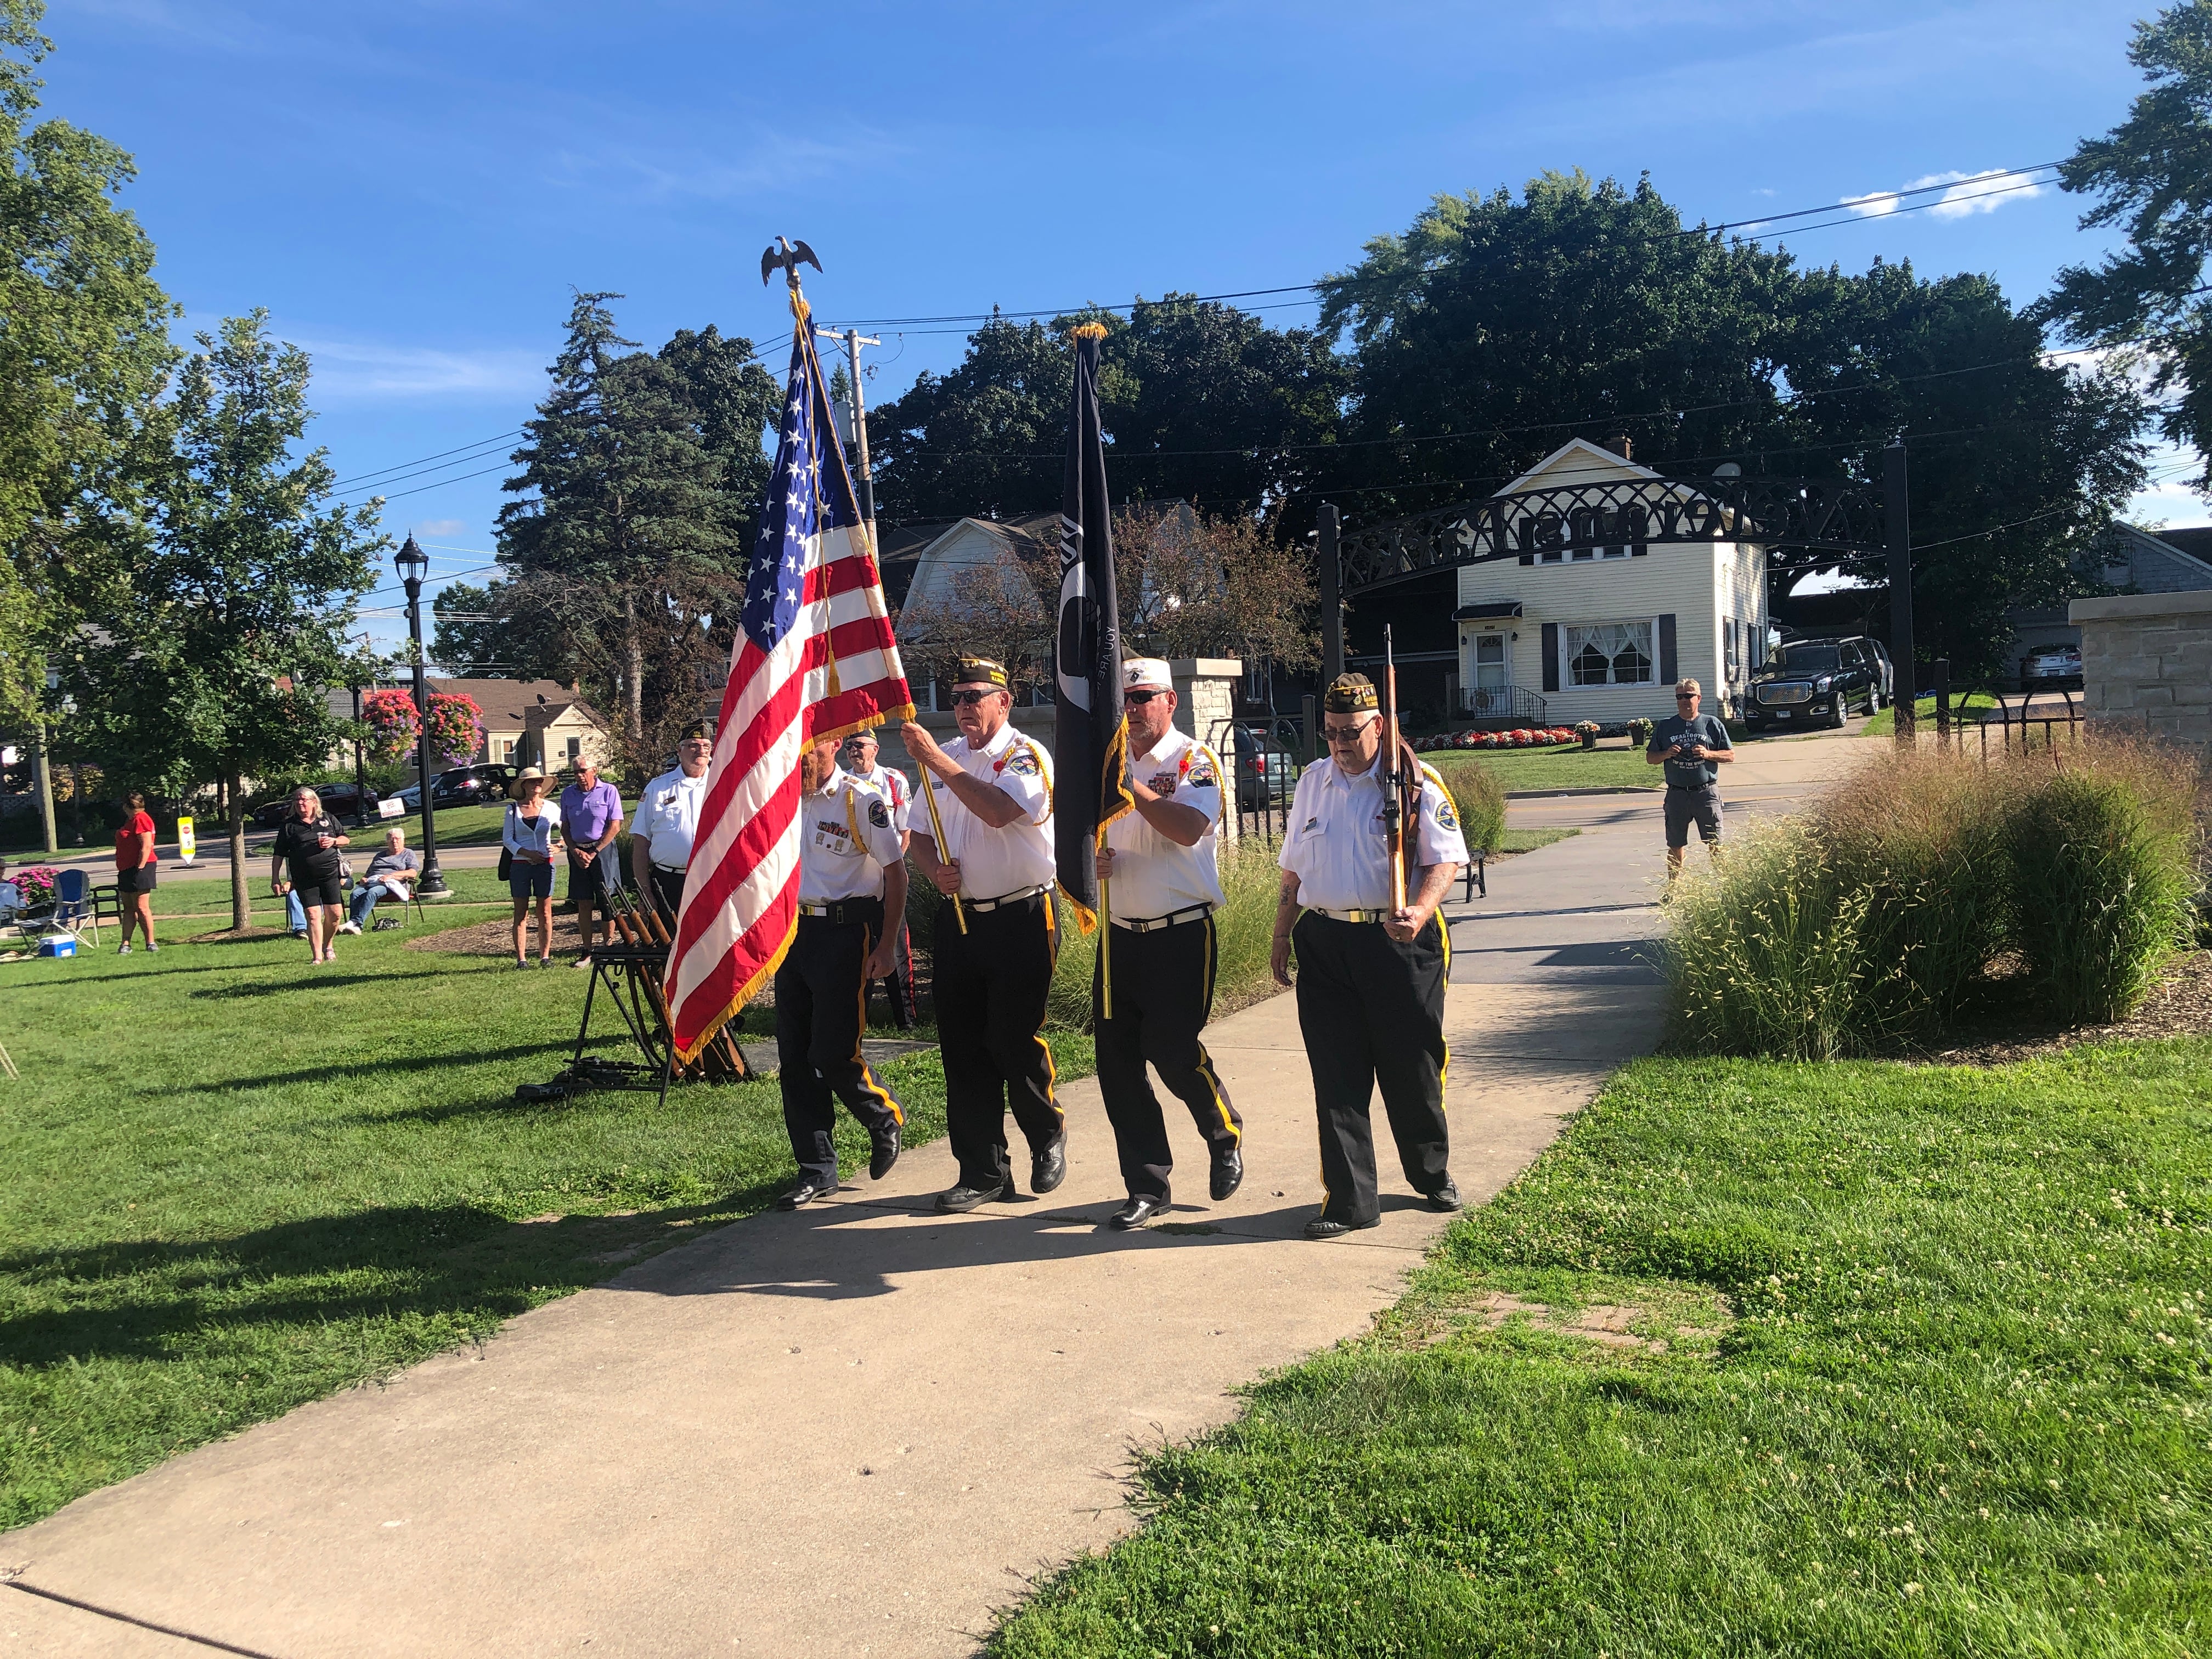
point(59, 946)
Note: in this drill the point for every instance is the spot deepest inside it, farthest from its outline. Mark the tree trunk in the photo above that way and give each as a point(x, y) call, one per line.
point(234, 805)
point(633, 678)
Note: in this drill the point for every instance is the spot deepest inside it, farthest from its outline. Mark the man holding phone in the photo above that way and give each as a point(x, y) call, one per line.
point(1692, 747)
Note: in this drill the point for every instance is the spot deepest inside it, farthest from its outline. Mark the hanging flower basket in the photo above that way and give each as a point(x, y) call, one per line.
point(392, 722)
point(456, 728)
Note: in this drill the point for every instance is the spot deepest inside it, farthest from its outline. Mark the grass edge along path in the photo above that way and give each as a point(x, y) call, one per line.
point(1876, 1360)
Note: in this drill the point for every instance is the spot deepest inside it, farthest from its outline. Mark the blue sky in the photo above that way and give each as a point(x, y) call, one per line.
point(412, 188)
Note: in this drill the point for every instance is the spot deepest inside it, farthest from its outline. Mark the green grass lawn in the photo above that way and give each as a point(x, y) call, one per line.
point(1603, 768)
point(1884, 725)
point(1527, 840)
point(1935, 1380)
point(237, 1182)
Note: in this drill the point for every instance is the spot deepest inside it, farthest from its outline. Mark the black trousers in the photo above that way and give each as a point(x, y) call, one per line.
point(991, 986)
point(1163, 996)
point(821, 1009)
point(1372, 1011)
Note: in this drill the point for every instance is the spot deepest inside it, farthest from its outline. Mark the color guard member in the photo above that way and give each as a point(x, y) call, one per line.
point(1370, 980)
point(994, 791)
point(1163, 887)
point(851, 865)
point(667, 821)
point(859, 760)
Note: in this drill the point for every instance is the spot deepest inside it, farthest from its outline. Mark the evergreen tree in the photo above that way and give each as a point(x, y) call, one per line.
point(467, 636)
point(223, 613)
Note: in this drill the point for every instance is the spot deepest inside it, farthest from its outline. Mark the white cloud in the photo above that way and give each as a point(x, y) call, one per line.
point(371, 372)
point(439, 527)
point(1969, 193)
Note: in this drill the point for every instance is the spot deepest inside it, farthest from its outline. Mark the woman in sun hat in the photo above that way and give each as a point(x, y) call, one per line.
point(531, 835)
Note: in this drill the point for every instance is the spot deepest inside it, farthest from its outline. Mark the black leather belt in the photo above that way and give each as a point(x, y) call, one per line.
point(984, 906)
point(842, 913)
point(1153, 924)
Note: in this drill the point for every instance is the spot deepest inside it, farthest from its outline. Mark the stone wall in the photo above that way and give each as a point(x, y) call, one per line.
point(2146, 663)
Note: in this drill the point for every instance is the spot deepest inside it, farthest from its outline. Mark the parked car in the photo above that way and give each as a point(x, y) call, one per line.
point(340, 800)
point(1267, 769)
point(462, 786)
point(2054, 668)
point(1816, 683)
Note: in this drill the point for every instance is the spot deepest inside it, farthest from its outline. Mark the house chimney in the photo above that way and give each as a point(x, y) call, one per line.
point(1622, 445)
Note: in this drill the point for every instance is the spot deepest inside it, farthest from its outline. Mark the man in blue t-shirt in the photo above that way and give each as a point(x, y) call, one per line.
point(1692, 747)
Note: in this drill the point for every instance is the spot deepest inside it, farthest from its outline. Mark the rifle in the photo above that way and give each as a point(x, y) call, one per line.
point(1401, 794)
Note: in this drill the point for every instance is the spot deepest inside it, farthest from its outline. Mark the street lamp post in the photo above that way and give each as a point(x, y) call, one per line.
point(414, 565)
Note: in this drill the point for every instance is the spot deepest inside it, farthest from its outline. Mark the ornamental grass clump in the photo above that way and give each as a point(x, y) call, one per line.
point(1478, 798)
point(1767, 951)
point(2106, 854)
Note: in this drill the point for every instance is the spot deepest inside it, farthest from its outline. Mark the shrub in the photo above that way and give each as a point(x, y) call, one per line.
point(1479, 799)
point(2105, 857)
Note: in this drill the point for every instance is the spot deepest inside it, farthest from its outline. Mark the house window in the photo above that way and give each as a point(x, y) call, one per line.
point(1609, 654)
point(502, 750)
point(1730, 626)
point(1489, 660)
point(575, 750)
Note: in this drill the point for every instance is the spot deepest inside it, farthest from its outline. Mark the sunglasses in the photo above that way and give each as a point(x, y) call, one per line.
point(1685, 696)
point(1344, 733)
point(968, 698)
point(1140, 698)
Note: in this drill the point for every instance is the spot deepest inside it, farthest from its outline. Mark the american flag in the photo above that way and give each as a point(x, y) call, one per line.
point(814, 657)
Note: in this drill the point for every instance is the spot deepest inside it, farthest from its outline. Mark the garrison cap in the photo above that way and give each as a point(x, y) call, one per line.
point(1350, 694)
point(980, 670)
point(1144, 672)
point(700, 731)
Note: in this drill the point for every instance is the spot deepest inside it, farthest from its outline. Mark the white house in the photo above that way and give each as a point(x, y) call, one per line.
point(1602, 634)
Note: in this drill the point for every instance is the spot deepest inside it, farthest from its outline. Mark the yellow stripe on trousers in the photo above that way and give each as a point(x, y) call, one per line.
point(868, 1083)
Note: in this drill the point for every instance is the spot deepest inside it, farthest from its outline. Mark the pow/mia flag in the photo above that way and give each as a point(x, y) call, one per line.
point(1090, 732)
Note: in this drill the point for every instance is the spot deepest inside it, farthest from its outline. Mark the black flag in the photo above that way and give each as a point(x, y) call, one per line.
point(1090, 733)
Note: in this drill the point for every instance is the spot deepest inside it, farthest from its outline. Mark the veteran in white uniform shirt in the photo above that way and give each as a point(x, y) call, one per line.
point(858, 756)
point(852, 866)
point(1163, 886)
point(1370, 980)
point(993, 788)
point(667, 821)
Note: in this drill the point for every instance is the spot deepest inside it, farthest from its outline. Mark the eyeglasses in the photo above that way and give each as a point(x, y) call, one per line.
point(971, 697)
point(1685, 696)
point(1344, 733)
point(1140, 698)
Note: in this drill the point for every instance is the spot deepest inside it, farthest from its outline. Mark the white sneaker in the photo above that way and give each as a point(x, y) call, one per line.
point(349, 927)
point(125, 950)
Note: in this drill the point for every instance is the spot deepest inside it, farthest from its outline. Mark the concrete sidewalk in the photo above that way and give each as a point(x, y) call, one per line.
point(856, 1429)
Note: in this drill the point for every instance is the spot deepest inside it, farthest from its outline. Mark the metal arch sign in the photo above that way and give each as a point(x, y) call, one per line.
point(1801, 521)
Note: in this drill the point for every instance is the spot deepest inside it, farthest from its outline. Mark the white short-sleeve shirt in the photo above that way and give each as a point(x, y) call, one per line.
point(1152, 876)
point(1019, 858)
point(1336, 849)
point(894, 786)
point(668, 816)
point(846, 838)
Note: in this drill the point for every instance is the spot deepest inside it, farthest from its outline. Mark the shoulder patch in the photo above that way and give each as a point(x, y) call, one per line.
point(1444, 815)
point(878, 814)
point(1199, 766)
point(1021, 760)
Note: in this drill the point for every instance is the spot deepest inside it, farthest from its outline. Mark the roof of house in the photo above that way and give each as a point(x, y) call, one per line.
point(2194, 544)
point(898, 551)
point(512, 704)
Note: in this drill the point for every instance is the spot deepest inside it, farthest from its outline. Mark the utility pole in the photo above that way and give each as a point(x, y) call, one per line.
point(854, 340)
point(1897, 531)
point(1332, 595)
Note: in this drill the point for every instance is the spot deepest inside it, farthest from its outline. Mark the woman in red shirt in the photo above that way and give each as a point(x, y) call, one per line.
point(135, 870)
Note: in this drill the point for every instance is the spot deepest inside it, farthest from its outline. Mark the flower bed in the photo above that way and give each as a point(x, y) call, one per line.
point(1538, 736)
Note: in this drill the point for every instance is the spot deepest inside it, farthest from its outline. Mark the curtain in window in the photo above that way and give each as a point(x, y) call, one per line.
point(1609, 654)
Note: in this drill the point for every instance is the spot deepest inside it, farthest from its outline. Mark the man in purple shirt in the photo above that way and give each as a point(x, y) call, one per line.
point(591, 814)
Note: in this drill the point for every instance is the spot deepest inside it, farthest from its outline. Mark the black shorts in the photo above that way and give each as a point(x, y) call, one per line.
point(590, 881)
point(1687, 806)
point(140, 880)
point(329, 889)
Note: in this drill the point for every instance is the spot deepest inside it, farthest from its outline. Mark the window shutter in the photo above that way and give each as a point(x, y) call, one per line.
point(1667, 672)
point(1551, 656)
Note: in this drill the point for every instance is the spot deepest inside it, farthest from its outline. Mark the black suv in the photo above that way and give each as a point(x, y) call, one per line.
point(1816, 682)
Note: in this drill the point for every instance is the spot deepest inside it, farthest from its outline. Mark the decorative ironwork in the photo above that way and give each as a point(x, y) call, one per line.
point(1504, 702)
point(1800, 521)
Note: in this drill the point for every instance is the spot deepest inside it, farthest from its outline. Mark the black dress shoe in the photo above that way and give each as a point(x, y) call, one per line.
point(805, 1194)
point(1228, 1173)
point(1318, 1229)
point(1048, 1168)
point(957, 1200)
point(886, 1144)
point(1140, 1208)
point(1446, 1197)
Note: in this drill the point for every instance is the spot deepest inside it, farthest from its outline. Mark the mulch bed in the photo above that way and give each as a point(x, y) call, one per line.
point(2180, 1007)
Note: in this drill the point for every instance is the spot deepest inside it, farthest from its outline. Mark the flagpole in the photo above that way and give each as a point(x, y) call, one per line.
point(1105, 943)
point(936, 824)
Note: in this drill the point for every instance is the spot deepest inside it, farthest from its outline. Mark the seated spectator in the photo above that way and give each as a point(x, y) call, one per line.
point(392, 875)
point(11, 896)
